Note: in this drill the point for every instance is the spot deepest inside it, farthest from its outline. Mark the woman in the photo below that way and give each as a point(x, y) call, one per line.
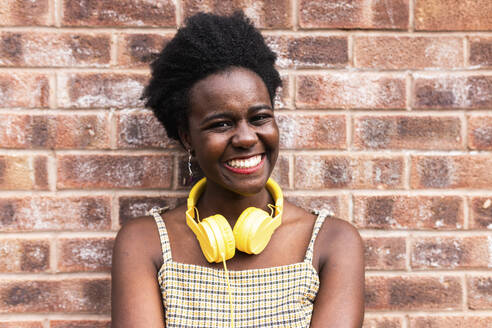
point(213, 88)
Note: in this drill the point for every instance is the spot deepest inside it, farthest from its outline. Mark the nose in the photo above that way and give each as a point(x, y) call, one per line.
point(245, 136)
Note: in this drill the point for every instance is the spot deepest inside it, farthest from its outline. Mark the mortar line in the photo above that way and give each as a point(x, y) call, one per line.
point(407, 165)
point(465, 293)
point(408, 251)
point(115, 38)
point(295, 15)
point(351, 51)
point(411, 16)
point(53, 252)
point(115, 222)
point(58, 12)
point(405, 321)
point(178, 13)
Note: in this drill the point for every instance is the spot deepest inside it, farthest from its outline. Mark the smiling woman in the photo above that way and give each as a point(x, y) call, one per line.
point(212, 88)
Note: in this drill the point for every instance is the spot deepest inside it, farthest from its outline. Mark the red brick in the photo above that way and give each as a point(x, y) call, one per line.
point(88, 90)
point(312, 131)
point(403, 52)
point(385, 253)
point(139, 50)
point(413, 293)
point(356, 172)
point(25, 12)
point(382, 322)
point(80, 324)
point(373, 14)
point(409, 212)
point(453, 91)
point(126, 13)
point(21, 324)
point(480, 212)
point(281, 171)
point(454, 321)
point(141, 129)
point(350, 90)
point(63, 296)
point(54, 49)
point(27, 90)
point(470, 171)
point(309, 51)
point(336, 206)
point(24, 255)
point(480, 51)
point(23, 172)
point(41, 172)
point(480, 132)
point(407, 132)
point(50, 213)
point(114, 171)
point(453, 15)
point(263, 13)
point(135, 206)
point(60, 131)
point(451, 252)
point(480, 292)
point(85, 254)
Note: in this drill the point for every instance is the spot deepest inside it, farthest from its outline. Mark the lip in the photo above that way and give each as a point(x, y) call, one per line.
point(248, 170)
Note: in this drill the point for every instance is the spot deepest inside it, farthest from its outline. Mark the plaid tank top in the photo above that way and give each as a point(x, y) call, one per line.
point(197, 296)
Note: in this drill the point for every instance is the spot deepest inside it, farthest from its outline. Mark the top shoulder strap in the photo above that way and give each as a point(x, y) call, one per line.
point(165, 245)
point(317, 225)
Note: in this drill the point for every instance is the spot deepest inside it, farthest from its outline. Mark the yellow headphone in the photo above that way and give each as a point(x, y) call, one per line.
point(251, 233)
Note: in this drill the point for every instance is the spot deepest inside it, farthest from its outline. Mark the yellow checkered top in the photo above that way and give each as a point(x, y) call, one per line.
point(196, 296)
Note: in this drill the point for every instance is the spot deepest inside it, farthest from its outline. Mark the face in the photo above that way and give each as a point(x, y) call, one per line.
point(232, 130)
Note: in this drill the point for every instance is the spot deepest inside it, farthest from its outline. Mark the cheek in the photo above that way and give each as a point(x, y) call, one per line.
point(208, 151)
point(271, 137)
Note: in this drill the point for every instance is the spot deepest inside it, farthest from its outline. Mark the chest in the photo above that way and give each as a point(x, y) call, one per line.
point(288, 245)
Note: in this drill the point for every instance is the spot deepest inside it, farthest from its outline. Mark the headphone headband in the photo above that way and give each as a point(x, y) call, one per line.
point(199, 188)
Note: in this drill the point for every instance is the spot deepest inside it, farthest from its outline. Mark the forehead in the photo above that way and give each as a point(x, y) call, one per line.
point(234, 88)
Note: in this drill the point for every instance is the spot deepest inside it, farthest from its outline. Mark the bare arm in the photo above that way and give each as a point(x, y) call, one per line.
point(340, 299)
point(135, 295)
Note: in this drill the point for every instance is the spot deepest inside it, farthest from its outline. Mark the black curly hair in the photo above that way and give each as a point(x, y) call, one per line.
point(208, 44)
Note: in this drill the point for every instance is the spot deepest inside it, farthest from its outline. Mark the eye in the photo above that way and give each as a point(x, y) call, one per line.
point(260, 118)
point(220, 125)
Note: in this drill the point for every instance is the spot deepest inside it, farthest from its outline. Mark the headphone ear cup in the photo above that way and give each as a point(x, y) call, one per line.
point(224, 238)
point(251, 230)
point(207, 240)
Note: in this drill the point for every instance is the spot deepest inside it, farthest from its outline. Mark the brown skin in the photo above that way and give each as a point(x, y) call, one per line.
point(242, 125)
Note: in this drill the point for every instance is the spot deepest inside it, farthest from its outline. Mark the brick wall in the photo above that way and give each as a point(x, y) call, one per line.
point(386, 121)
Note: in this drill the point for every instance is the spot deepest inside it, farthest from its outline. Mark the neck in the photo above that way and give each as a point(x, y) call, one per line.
point(218, 200)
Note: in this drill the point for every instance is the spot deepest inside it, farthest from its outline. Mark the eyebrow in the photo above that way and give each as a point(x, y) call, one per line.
point(228, 113)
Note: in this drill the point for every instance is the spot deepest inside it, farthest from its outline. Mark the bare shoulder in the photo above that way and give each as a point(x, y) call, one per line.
point(338, 239)
point(338, 230)
point(139, 238)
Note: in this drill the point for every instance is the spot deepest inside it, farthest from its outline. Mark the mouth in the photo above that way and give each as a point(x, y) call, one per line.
point(245, 165)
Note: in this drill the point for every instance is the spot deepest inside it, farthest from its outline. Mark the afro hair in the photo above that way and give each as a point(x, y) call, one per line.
point(207, 44)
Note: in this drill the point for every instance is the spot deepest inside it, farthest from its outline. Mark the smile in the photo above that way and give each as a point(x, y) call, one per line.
point(245, 165)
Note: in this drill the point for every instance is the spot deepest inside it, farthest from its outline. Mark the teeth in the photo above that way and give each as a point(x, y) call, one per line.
point(245, 163)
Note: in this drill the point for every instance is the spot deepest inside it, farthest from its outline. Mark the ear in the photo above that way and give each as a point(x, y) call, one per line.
point(184, 138)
